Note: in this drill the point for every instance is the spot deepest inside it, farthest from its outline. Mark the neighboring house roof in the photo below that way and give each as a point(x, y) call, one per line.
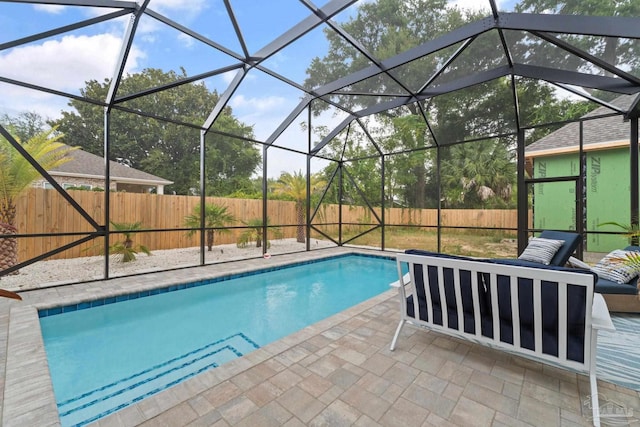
point(607, 132)
point(87, 165)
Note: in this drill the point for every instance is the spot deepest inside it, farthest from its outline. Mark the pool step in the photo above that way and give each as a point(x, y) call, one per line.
point(100, 402)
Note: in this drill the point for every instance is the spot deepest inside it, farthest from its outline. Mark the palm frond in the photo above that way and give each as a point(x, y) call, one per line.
point(214, 216)
point(632, 259)
point(17, 174)
point(630, 231)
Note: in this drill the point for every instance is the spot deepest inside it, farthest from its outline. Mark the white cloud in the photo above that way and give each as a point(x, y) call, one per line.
point(146, 26)
point(189, 9)
point(186, 40)
point(258, 105)
point(16, 100)
point(228, 77)
point(277, 60)
point(49, 8)
point(296, 137)
point(561, 93)
point(64, 64)
point(263, 114)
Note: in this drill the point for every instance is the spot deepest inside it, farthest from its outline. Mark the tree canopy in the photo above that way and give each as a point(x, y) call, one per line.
point(620, 52)
point(160, 147)
point(486, 110)
point(25, 125)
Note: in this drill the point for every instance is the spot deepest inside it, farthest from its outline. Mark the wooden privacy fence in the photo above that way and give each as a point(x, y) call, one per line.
point(42, 211)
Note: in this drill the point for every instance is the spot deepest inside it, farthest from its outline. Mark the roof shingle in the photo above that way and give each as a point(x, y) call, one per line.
point(607, 129)
point(85, 163)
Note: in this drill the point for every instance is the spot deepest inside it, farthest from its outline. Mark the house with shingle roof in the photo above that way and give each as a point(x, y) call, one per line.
point(605, 142)
point(603, 133)
point(86, 171)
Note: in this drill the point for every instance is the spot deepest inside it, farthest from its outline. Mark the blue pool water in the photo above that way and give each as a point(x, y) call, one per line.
point(106, 357)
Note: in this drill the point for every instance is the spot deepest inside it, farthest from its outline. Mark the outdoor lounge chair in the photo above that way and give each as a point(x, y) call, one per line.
point(620, 297)
point(571, 241)
point(547, 313)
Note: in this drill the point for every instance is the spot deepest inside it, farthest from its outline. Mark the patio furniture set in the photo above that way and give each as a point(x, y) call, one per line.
point(533, 306)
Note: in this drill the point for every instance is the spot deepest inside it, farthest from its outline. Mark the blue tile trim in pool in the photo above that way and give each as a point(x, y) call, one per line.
point(96, 303)
point(141, 379)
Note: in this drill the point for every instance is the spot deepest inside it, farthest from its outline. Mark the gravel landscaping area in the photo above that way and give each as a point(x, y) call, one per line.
point(48, 273)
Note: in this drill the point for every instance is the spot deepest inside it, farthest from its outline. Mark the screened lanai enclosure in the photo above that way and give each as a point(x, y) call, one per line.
point(297, 125)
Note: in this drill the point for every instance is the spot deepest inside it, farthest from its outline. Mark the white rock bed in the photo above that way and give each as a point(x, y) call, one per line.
point(59, 271)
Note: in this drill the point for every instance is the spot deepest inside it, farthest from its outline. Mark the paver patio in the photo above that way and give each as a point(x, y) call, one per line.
point(336, 372)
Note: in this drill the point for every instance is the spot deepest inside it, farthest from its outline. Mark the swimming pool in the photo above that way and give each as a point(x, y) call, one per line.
point(116, 353)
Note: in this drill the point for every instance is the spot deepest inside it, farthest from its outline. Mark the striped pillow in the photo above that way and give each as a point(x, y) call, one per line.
point(615, 267)
point(541, 250)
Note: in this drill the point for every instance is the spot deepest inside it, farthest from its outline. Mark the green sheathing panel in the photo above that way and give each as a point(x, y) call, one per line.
point(607, 197)
point(554, 203)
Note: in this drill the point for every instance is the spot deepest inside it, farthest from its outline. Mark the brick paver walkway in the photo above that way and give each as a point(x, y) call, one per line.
point(338, 372)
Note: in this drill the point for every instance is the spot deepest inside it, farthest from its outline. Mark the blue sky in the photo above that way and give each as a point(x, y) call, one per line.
point(66, 61)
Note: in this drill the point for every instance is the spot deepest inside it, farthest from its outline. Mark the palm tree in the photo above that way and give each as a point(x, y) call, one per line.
point(214, 216)
point(295, 187)
point(477, 174)
point(631, 232)
point(254, 232)
point(125, 250)
point(16, 175)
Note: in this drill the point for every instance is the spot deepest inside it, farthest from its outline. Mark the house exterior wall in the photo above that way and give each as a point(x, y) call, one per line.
point(608, 189)
point(554, 203)
point(93, 183)
point(607, 195)
point(133, 188)
point(65, 181)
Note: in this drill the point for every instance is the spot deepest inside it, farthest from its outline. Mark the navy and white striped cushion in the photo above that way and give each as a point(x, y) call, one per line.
point(541, 250)
point(615, 267)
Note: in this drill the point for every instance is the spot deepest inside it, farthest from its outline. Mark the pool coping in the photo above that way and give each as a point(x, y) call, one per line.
point(28, 391)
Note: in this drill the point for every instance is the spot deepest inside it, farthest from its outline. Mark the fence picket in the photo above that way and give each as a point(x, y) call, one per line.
point(45, 211)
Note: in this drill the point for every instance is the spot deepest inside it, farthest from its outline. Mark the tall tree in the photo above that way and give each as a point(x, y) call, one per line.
point(623, 53)
point(230, 161)
point(25, 125)
point(582, 7)
point(386, 28)
point(409, 171)
point(479, 174)
point(159, 147)
point(16, 175)
point(389, 27)
point(361, 167)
